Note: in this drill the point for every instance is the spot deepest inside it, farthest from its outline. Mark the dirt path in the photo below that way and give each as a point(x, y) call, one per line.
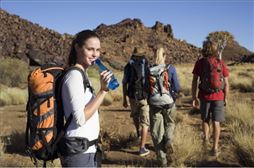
point(128, 155)
point(116, 126)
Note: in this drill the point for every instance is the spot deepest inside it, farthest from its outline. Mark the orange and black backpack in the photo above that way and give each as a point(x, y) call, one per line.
point(45, 117)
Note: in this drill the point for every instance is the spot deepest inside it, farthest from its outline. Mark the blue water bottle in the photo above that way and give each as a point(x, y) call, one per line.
point(113, 83)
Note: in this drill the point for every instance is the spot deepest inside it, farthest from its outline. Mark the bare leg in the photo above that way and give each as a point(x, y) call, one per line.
point(144, 132)
point(216, 134)
point(206, 130)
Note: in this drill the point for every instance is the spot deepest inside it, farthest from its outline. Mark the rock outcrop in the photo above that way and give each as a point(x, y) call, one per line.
point(25, 40)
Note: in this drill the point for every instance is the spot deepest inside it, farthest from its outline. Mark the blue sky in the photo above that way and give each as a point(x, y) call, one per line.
point(190, 20)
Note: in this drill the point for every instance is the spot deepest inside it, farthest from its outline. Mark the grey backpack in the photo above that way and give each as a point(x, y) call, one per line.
point(159, 87)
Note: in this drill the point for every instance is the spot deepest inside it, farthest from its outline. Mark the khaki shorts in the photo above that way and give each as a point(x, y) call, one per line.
point(140, 111)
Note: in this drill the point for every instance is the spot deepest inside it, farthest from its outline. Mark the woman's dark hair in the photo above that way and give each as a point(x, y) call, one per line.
point(79, 39)
point(209, 49)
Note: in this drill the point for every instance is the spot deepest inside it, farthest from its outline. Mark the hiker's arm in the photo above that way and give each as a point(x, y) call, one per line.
point(92, 106)
point(195, 102)
point(125, 82)
point(176, 85)
point(226, 90)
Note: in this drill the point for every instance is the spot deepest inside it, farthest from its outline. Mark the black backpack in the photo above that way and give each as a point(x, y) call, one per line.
point(45, 116)
point(138, 69)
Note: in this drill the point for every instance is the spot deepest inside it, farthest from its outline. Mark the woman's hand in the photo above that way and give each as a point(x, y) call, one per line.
point(105, 77)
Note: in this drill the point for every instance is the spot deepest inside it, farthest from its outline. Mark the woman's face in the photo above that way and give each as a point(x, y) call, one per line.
point(89, 52)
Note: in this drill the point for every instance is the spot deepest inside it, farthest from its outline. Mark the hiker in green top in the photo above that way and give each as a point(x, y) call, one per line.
point(163, 86)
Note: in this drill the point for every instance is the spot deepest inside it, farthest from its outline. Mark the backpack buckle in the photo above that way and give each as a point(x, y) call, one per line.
point(84, 143)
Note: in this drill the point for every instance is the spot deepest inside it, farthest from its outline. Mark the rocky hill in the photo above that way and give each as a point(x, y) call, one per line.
point(25, 40)
point(28, 41)
point(119, 40)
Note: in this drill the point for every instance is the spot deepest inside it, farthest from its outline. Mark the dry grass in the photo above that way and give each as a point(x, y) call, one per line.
point(240, 121)
point(184, 74)
point(244, 141)
point(241, 77)
point(187, 143)
point(240, 109)
point(113, 95)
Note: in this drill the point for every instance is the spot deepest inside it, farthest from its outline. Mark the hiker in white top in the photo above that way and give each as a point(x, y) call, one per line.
point(74, 101)
point(78, 148)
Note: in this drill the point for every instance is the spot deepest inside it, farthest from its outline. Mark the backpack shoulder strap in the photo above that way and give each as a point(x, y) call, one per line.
point(84, 76)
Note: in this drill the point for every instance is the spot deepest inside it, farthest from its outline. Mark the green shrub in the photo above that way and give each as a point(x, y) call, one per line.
point(13, 72)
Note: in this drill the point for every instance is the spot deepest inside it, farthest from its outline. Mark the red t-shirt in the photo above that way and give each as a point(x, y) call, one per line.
point(199, 66)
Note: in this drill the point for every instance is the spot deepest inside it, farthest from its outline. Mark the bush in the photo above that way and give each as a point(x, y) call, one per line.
point(12, 96)
point(13, 72)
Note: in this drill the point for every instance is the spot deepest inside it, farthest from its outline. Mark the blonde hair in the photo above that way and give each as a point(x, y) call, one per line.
point(160, 56)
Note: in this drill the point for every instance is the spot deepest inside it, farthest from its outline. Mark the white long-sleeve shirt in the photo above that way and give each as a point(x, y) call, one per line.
point(74, 101)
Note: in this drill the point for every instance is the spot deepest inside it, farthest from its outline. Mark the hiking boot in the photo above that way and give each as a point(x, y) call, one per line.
point(143, 152)
point(215, 152)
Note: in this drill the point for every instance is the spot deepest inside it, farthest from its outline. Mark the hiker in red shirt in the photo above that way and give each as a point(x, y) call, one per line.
point(212, 74)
